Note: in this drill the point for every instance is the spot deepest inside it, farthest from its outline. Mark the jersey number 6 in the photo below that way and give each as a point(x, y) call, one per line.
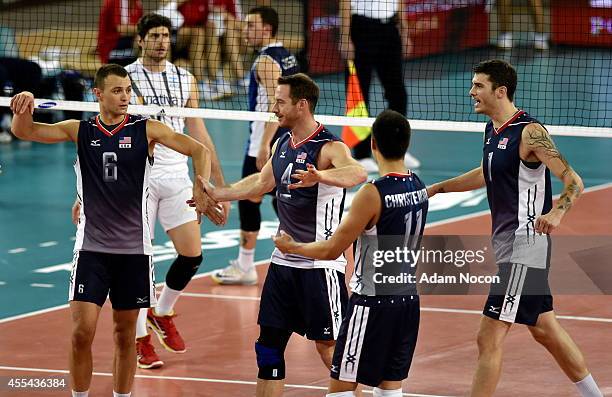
point(109, 166)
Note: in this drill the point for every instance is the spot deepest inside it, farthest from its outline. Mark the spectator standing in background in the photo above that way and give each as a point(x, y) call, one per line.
point(505, 10)
point(224, 33)
point(117, 29)
point(371, 34)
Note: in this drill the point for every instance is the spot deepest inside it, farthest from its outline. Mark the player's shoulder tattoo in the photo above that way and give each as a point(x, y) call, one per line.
point(539, 140)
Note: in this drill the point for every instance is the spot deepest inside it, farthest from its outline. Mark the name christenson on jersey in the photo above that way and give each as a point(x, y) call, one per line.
point(405, 199)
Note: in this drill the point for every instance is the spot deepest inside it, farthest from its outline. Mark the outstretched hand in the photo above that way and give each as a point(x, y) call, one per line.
point(214, 211)
point(205, 204)
point(208, 187)
point(307, 178)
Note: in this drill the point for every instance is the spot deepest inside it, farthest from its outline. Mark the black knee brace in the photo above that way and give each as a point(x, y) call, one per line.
point(182, 270)
point(270, 351)
point(250, 216)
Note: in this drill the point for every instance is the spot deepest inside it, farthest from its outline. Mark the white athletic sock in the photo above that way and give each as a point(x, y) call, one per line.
point(341, 394)
point(246, 258)
point(166, 301)
point(386, 393)
point(141, 324)
point(588, 388)
point(115, 394)
point(80, 393)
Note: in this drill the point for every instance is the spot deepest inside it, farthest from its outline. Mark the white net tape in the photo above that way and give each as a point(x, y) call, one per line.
point(240, 115)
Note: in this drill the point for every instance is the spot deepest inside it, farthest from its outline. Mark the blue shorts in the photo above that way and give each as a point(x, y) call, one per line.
point(377, 339)
point(309, 302)
point(521, 296)
point(128, 280)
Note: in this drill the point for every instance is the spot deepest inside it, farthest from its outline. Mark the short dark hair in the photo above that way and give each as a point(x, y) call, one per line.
point(107, 70)
point(501, 73)
point(301, 87)
point(152, 21)
point(391, 132)
point(268, 15)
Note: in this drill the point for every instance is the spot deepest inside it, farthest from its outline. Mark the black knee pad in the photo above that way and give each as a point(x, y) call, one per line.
point(182, 271)
point(250, 216)
point(270, 351)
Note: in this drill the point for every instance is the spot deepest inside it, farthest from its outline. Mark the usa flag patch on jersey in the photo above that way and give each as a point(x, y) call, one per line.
point(502, 143)
point(125, 142)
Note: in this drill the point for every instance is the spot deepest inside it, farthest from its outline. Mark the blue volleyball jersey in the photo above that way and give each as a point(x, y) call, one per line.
point(112, 170)
point(518, 192)
point(404, 205)
point(258, 96)
point(307, 214)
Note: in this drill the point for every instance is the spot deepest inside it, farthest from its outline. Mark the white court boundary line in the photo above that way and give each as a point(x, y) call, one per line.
point(257, 263)
point(207, 380)
point(242, 115)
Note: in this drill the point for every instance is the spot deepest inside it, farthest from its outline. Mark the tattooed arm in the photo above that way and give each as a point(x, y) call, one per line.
point(536, 143)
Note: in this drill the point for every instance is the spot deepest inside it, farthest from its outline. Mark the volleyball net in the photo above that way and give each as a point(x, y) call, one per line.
point(562, 55)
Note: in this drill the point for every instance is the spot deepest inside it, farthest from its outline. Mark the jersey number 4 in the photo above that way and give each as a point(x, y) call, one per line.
point(286, 181)
point(109, 166)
